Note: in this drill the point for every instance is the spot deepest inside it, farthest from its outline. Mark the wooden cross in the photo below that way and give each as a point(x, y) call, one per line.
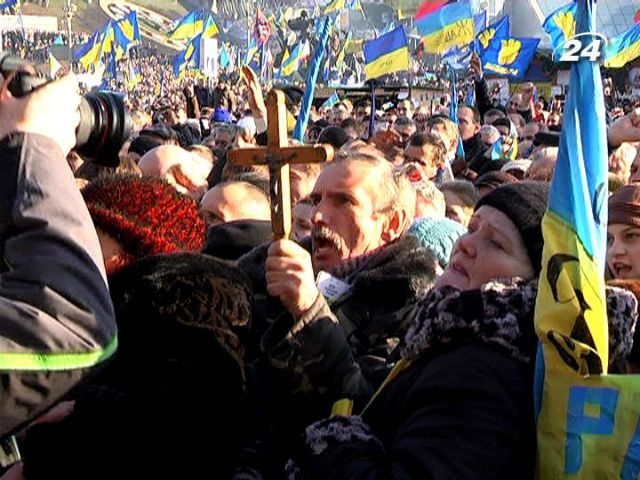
point(278, 155)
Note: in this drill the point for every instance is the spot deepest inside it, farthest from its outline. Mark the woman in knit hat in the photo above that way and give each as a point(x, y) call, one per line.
point(178, 375)
point(140, 216)
point(462, 406)
point(623, 233)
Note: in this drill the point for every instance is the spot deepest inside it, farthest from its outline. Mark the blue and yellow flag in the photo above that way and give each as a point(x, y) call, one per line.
point(492, 35)
point(623, 48)
point(254, 55)
point(587, 420)
point(127, 31)
point(133, 76)
point(510, 57)
point(561, 26)
point(334, 6)
point(291, 61)
point(188, 26)
point(334, 99)
point(89, 54)
point(355, 5)
point(189, 56)
point(343, 52)
point(386, 54)
point(447, 27)
point(210, 29)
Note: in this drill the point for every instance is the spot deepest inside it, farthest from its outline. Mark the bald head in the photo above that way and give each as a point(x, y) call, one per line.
point(185, 170)
point(158, 161)
point(235, 201)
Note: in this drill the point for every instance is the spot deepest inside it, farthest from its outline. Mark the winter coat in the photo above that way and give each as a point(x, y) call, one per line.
point(172, 403)
point(56, 317)
point(463, 406)
point(474, 150)
point(340, 349)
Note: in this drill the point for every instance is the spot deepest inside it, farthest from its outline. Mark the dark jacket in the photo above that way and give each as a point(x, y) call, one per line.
point(462, 409)
point(343, 349)
point(474, 153)
point(172, 402)
point(463, 406)
point(340, 350)
point(54, 299)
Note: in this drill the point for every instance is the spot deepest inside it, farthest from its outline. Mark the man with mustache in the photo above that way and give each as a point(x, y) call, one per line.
point(317, 344)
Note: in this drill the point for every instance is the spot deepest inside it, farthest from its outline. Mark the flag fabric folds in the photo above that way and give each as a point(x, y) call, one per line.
point(623, 48)
point(448, 26)
point(133, 77)
point(291, 61)
point(510, 57)
point(312, 76)
point(127, 31)
point(210, 28)
point(334, 6)
point(190, 56)
point(429, 6)
point(88, 54)
point(492, 35)
point(54, 66)
point(587, 420)
point(224, 57)
point(561, 26)
point(386, 54)
point(334, 99)
point(188, 26)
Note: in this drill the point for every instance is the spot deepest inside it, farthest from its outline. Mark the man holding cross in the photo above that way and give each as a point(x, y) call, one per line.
point(329, 312)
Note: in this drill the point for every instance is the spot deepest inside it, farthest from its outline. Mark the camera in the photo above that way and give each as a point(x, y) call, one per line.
point(105, 124)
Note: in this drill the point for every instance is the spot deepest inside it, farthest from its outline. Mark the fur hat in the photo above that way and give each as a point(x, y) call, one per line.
point(524, 203)
point(146, 215)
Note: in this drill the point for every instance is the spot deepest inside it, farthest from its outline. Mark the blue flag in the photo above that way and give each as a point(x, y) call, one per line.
point(331, 101)
point(511, 57)
point(561, 26)
point(224, 57)
point(453, 109)
point(492, 35)
point(314, 69)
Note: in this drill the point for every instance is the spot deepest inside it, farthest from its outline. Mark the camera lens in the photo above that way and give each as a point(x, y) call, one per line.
point(105, 124)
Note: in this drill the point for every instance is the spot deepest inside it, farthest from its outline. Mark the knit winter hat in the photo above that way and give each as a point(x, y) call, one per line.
point(146, 215)
point(438, 235)
point(524, 203)
point(221, 115)
point(624, 206)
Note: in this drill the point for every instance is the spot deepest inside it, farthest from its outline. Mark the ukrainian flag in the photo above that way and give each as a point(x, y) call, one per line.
point(386, 54)
point(210, 28)
point(561, 26)
point(511, 57)
point(190, 55)
point(343, 52)
point(291, 62)
point(127, 31)
point(623, 48)
point(133, 77)
point(188, 26)
point(585, 419)
point(492, 35)
point(449, 26)
point(334, 6)
point(334, 99)
point(88, 54)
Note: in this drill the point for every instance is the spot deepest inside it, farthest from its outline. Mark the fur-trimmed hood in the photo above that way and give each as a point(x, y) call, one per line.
point(401, 270)
point(501, 314)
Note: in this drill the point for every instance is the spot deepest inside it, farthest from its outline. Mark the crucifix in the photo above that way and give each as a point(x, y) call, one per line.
point(278, 155)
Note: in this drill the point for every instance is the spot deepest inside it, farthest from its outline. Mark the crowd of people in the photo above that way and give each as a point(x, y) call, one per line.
point(408, 285)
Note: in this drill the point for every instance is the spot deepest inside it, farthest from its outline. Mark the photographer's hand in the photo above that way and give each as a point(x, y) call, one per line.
point(51, 111)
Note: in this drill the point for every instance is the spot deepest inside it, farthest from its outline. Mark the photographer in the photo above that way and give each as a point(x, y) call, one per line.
point(56, 317)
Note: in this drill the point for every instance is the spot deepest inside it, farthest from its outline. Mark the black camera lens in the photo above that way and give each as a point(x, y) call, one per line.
point(105, 124)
